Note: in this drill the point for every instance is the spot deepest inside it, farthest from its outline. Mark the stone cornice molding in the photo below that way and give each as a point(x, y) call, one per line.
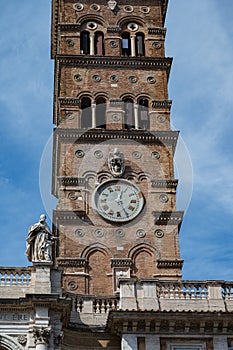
point(69, 101)
point(72, 181)
point(162, 104)
point(170, 322)
point(162, 138)
point(170, 264)
point(157, 31)
point(158, 183)
point(126, 262)
point(68, 262)
point(69, 27)
point(117, 62)
point(68, 216)
point(168, 217)
point(113, 29)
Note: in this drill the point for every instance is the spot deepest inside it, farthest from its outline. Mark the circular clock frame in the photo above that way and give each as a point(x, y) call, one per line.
point(118, 200)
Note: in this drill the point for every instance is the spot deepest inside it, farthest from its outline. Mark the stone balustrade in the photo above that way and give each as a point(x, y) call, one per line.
point(15, 276)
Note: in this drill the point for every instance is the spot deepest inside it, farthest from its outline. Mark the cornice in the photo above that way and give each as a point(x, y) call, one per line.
point(121, 262)
point(116, 62)
point(170, 264)
point(158, 183)
point(72, 181)
point(162, 138)
point(68, 262)
point(168, 217)
point(69, 27)
point(68, 216)
point(162, 104)
point(157, 31)
point(69, 101)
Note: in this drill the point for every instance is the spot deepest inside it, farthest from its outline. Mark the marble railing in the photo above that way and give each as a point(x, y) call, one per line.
point(93, 304)
point(15, 276)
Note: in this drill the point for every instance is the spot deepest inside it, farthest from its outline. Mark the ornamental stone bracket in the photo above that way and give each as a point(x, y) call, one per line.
point(41, 335)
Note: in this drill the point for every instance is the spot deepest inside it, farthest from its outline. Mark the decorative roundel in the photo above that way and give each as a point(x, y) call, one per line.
point(163, 198)
point(115, 117)
point(159, 233)
point(156, 45)
point(113, 43)
point(133, 79)
point(118, 200)
point(128, 8)
point(155, 155)
point(72, 285)
point(95, 7)
point(78, 77)
point(72, 196)
point(96, 78)
point(144, 9)
point(78, 6)
point(132, 26)
point(70, 42)
point(140, 233)
point(114, 78)
point(119, 232)
point(79, 233)
point(70, 116)
point(136, 154)
point(98, 154)
point(99, 233)
point(79, 153)
point(91, 25)
point(161, 118)
point(151, 80)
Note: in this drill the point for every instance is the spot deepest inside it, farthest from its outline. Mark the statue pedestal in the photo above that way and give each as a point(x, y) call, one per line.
point(42, 277)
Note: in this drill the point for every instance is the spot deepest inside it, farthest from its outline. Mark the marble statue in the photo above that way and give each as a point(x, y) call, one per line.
point(39, 241)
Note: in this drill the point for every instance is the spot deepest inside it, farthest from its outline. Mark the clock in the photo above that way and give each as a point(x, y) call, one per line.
point(118, 200)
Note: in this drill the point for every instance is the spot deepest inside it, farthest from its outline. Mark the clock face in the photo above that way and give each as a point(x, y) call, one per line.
point(118, 200)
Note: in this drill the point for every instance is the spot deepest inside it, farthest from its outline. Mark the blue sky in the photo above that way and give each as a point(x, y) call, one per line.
point(199, 38)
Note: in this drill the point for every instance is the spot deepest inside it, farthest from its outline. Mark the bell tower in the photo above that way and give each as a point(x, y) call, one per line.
point(113, 171)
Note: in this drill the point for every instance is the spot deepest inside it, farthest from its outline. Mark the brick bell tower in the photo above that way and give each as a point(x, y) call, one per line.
point(113, 171)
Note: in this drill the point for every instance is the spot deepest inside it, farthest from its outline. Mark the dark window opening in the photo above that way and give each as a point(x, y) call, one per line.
point(129, 122)
point(143, 114)
point(99, 44)
point(85, 43)
point(101, 112)
point(86, 120)
point(140, 44)
point(126, 44)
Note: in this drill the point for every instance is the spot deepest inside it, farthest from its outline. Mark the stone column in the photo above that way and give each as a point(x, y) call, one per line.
point(136, 107)
point(93, 115)
point(92, 45)
point(132, 40)
point(220, 342)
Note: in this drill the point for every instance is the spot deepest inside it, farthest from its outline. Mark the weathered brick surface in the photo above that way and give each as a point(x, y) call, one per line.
point(142, 241)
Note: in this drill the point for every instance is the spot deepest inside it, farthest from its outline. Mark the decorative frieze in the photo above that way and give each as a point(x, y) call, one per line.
point(121, 263)
point(72, 262)
point(66, 101)
point(170, 264)
point(165, 104)
point(116, 62)
point(157, 183)
point(113, 29)
point(72, 181)
point(168, 218)
point(157, 31)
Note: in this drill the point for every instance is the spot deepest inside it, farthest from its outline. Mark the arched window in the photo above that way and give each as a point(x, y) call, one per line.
point(85, 42)
point(99, 44)
point(101, 112)
point(125, 44)
point(140, 44)
point(129, 122)
point(143, 114)
point(86, 119)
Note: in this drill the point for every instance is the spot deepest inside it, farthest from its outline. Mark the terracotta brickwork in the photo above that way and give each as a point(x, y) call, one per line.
point(110, 65)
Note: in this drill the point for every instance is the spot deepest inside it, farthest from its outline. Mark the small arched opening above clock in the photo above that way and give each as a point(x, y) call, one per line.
point(86, 117)
point(101, 112)
point(143, 113)
point(129, 118)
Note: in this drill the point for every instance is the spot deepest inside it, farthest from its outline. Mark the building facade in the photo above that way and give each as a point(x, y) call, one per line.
point(108, 274)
